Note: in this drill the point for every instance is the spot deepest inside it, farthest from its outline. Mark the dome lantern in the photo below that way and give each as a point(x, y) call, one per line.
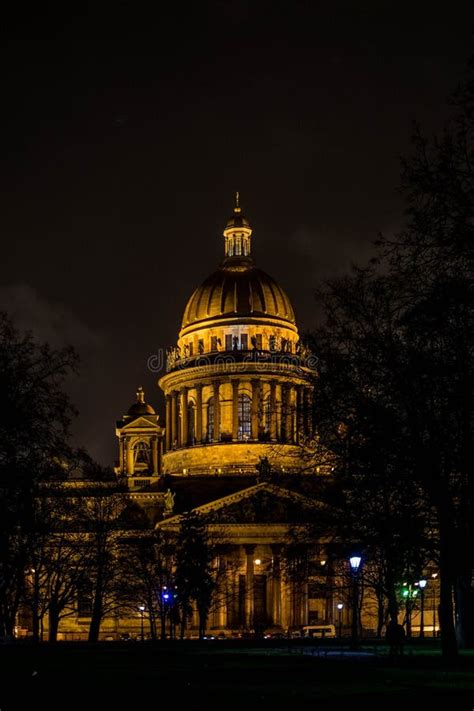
point(237, 233)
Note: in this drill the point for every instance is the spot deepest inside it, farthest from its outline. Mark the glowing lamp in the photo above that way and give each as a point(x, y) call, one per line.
point(355, 562)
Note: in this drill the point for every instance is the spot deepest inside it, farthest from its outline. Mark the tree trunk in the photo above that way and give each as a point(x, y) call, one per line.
point(380, 614)
point(446, 617)
point(163, 623)
point(7, 622)
point(96, 618)
point(35, 622)
point(53, 620)
point(202, 622)
point(151, 617)
point(152, 623)
point(465, 611)
point(182, 625)
point(392, 597)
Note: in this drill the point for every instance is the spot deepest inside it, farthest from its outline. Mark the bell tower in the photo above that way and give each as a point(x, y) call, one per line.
point(140, 444)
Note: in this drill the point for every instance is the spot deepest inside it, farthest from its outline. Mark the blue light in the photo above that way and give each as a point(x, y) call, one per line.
point(355, 562)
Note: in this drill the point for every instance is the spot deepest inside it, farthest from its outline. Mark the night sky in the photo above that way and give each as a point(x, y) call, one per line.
point(126, 133)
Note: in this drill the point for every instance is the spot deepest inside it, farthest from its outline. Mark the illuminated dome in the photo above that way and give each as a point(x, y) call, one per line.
point(140, 407)
point(238, 288)
point(237, 388)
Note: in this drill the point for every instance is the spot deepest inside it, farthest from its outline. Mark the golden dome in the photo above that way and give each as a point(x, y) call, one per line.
point(238, 289)
point(140, 407)
point(237, 222)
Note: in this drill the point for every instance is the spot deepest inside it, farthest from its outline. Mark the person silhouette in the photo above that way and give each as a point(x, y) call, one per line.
point(395, 636)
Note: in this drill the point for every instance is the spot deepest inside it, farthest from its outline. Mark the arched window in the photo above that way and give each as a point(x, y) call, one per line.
point(210, 419)
point(191, 423)
point(141, 456)
point(245, 416)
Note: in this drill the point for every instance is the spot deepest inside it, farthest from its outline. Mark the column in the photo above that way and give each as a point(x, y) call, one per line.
point(273, 411)
point(154, 455)
point(235, 410)
point(308, 411)
point(288, 415)
point(184, 417)
point(276, 585)
point(279, 412)
point(174, 419)
point(222, 603)
point(168, 423)
point(122, 457)
point(304, 604)
point(217, 413)
point(255, 408)
point(199, 437)
point(130, 460)
point(160, 455)
point(249, 587)
point(285, 604)
point(329, 612)
point(300, 424)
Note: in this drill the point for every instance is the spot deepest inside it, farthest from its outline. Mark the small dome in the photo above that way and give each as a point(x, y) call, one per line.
point(238, 288)
point(140, 407)
point(237, 221)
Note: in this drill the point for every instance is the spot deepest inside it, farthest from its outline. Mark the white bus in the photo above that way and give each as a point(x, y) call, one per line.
point(320, 631)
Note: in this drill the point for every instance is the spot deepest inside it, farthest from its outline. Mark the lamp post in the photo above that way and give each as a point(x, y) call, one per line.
point(434, 576)
point(166, 611)
point(340, 607)
point(142, 612)
point(422, 586)
point(355, 562)
point(409, 594)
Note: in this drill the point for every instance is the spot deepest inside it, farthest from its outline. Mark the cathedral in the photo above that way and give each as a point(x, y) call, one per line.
point(237, 440)
point(236, 447)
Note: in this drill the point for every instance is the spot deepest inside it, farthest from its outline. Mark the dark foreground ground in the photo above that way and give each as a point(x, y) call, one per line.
point(220, 675)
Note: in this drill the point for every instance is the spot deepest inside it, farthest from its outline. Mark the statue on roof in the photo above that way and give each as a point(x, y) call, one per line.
point(264, 468)
point(169, 502)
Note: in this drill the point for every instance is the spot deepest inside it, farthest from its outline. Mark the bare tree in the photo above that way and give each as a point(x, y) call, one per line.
point(35, 416)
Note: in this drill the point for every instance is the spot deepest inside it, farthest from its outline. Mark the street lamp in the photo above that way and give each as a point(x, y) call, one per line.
point(422, 586)
point(142, 612)
point(340, 607)
point(434, 576)
point(355, 562)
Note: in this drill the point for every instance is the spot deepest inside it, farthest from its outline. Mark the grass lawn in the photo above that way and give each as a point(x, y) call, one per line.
point(220, 675)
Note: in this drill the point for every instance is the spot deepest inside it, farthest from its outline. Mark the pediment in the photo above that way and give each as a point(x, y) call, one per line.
point(141, 423)
point(263, 503)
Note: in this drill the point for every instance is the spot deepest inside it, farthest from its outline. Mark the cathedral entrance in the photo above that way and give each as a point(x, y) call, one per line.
point(254, 600)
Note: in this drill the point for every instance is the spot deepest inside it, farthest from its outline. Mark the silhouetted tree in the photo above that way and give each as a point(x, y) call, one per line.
point(395, 392)
point(35, 415)
point(105, 518)
point(154, 578)
point(196, 577)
